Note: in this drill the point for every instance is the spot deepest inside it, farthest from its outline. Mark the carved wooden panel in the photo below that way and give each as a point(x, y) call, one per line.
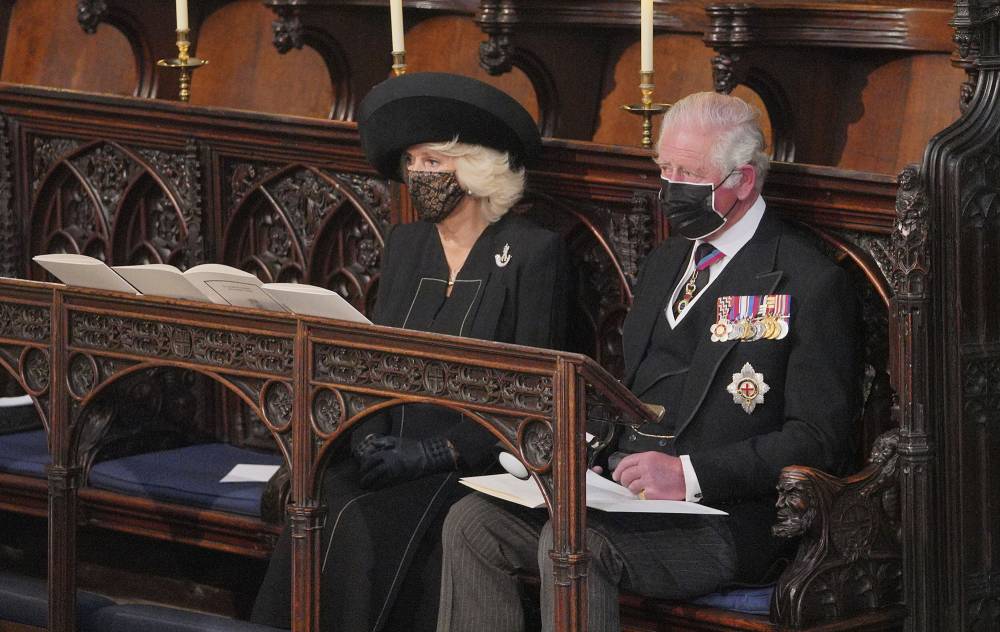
point(11, 224)
point(119, 204)
point(605, 245)
point(474, 383)
point(849, 559)
point(301, 224)
point(214, 347)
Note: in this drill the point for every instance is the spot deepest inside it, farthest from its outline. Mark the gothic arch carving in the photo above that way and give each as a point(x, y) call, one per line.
point(150, 396)
point(301, 224)
point(605, 246)
point(114, 203)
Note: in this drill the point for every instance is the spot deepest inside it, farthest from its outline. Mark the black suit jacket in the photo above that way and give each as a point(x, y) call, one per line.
point(814, 376)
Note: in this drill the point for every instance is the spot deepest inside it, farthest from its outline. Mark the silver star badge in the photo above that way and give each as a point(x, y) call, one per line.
point(748, 388)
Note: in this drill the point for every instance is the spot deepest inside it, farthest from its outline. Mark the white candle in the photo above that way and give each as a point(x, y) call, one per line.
point(396, 20)
point(182, 14)
point(646, 31)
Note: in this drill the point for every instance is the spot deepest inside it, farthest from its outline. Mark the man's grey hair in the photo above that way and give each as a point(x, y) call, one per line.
point(739, 139)
point(486, 174)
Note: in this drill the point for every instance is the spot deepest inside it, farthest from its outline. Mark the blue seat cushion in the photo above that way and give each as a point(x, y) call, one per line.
point(188, 476)
point(748, 600)
point(25, 600)
point(18, 414)
point(25, 453)
point(146, 618)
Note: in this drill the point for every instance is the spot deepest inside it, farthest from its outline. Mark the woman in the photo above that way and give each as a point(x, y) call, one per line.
point(465, 268)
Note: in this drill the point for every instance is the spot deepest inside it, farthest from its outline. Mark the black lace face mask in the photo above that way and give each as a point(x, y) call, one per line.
point(434, 194)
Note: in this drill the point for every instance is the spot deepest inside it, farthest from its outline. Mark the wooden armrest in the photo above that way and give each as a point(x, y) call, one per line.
point(849, 560)
point(275, 497)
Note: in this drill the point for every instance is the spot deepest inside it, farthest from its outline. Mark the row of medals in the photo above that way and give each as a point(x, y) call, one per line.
point(750, 330)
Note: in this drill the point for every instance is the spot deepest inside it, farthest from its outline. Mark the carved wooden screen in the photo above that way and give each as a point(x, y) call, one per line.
point(605, 244)
point(297, 223)
point(303, 224)
point(123, 205)
point(863, 257)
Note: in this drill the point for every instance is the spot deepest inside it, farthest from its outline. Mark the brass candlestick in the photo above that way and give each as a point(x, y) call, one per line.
point(185, 63)
point(647, 109)
point(398, 62)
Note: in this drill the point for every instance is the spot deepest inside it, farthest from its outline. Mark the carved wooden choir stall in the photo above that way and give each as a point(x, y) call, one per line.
point(908, 542)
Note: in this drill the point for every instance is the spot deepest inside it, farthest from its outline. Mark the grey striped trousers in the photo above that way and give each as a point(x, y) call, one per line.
point(488, 543)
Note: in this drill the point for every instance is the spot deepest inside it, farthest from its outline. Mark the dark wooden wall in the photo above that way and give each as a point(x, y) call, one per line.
point(870, 84)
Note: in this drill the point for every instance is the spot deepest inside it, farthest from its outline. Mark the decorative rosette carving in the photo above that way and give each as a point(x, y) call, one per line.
point(82, 375)
point(328, 410)
point(278, 403)
point(35, 369)
point(535, 441)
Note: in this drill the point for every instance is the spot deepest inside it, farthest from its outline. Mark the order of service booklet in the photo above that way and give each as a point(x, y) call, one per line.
point(602, 494)
point(208, 282)
point(84, 271)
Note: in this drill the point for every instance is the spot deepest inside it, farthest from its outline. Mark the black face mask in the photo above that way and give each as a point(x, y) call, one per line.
point(690, 208)
point(434, 194)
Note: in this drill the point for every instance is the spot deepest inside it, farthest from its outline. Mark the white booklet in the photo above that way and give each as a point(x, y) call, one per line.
point(313, 300)
point(227, 285)
point(84, 271)
point(211, 282)
point(208, 282)
point(602, 494)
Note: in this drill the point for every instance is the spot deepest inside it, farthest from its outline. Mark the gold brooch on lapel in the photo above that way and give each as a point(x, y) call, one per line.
point(748, 388)
point(503, 259)
point(751, 318)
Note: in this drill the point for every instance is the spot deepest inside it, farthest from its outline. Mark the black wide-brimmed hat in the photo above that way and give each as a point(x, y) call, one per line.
point(430, 107)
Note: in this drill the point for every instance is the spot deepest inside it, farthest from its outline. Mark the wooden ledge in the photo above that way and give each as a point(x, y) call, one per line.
point(835, 25)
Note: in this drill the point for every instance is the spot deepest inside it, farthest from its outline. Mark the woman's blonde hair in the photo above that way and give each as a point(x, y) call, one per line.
point(486, 174)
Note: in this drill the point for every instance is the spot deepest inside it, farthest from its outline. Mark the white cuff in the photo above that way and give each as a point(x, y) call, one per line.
point(692, 489)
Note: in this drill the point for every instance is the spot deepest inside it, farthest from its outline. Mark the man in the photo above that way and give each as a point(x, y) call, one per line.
point(746, 335)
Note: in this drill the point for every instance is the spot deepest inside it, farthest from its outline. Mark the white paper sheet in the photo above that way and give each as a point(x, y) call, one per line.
point(249, 473)
point(602, 494)
point(11, 402)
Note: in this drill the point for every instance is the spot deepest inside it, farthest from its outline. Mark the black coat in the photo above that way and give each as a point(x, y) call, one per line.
point(380, 547)
point(814, 376)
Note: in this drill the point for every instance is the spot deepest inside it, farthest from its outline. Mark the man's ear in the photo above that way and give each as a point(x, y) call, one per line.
point(747, 183)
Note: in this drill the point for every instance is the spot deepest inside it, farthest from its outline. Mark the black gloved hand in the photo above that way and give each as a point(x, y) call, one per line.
point(387, 460)
point(367, 446)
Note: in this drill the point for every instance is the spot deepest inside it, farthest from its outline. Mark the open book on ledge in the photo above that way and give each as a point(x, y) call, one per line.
point(602, 494)
point(209, 282)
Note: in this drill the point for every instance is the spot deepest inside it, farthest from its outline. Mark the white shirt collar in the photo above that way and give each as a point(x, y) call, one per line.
point(731, 241)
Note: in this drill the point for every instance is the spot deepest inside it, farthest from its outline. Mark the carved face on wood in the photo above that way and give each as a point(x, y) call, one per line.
point(796, 506)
